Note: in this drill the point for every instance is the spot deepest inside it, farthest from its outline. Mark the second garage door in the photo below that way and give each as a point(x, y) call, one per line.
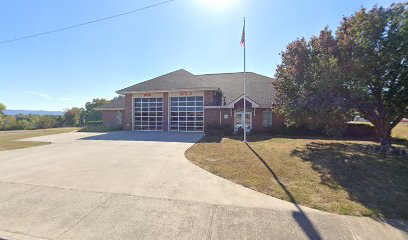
point(187, 114)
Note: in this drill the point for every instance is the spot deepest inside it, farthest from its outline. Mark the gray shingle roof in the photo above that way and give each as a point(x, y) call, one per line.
point(116, 103)
point(177, 80)
point(259, 88)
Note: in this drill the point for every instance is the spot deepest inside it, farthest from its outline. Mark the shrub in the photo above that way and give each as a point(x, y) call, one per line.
point(360, 130)
point(95, 123)
point(45, 122)
point(23, 124)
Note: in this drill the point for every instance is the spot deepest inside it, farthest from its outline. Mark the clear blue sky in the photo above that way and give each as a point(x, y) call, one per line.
point(66, 69)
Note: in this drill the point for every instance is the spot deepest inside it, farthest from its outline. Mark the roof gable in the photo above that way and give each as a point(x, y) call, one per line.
point(248, 99)
point(177, 80)
point(259, 88)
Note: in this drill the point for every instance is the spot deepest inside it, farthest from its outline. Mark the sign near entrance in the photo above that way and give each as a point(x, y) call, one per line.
point(184, 93)
point(147, 95)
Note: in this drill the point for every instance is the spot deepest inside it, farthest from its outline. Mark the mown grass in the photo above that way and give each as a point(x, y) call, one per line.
point(334, 175)
point(401, 131)
point(7, 138)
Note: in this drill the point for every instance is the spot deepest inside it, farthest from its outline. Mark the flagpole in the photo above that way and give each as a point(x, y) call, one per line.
point(244, 85)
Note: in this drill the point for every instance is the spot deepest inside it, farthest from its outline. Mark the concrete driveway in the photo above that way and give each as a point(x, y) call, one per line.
point(127, 185)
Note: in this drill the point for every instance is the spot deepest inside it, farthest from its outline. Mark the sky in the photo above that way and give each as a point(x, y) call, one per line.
point(69, 68)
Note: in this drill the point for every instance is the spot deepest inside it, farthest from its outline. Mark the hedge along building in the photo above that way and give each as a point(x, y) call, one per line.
point(181, 101)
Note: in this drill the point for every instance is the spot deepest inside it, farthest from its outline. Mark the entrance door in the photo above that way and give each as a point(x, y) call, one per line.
point(239, 119)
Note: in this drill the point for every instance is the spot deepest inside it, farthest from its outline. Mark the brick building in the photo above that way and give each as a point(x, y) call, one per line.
point(181, 101)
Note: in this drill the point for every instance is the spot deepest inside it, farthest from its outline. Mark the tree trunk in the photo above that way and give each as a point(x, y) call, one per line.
point(383, 130)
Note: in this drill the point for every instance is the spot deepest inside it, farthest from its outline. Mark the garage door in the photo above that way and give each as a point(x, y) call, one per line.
point(148, 114)
point(187, 114)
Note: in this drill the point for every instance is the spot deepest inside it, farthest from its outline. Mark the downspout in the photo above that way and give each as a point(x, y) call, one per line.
point(220, 117)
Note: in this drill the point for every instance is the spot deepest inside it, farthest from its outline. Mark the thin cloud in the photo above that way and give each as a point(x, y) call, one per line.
point(49, 97)
point(41, 95)
point(65, 99)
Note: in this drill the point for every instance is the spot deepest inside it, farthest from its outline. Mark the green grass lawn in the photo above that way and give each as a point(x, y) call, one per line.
point(337, 176)
point(401, 131)
point(7, 137)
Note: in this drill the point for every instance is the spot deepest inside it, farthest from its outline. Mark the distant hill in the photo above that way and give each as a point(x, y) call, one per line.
point(34, 112)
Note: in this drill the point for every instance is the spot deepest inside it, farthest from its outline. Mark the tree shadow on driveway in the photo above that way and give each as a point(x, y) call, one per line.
point(377, 181)
point(301, 218)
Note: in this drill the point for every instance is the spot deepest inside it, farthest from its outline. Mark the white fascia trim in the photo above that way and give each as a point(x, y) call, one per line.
point(169, 90)
point(216, 107)
point(254, 104)
point(108, 109)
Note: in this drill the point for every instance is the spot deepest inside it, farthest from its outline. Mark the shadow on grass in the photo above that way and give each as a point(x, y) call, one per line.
point(300, 217)
point(211, 139)
point(400, 141)
point(377, 181)
point(258, 137)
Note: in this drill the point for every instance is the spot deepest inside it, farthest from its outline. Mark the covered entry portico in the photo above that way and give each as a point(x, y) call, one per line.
point(241, 119)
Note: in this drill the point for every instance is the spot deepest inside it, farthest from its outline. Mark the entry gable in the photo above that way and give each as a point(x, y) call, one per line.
point(252, 102)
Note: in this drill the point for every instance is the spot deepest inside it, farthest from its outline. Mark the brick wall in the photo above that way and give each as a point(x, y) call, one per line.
point(257, 120)
point(109, 118)
point(165, 111)
point(212, 118)
point(212, 98)
point(211, 115)
point(127, 117)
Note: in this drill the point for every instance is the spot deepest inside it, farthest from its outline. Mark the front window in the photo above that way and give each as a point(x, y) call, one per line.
point(267, 119)
point(119, 117)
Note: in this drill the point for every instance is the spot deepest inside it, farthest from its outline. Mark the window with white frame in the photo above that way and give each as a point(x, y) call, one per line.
point(118, 117)
point(267, 119)
point(187, 113)
point(148, 114)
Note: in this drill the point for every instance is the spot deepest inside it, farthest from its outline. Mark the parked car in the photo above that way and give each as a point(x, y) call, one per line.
point(239, 129)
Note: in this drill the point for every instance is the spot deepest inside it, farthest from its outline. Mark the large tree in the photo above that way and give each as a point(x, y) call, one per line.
point(363, 69)
point(310, 91)
point(2, 118)
point(2, 108)
point(72, 117)
point(374, 61)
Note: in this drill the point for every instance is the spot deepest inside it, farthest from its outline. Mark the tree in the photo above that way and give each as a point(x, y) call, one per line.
point(72, 117)
point(2, 108)
point(9, 122)
point(364, 69)
point(23, 124)
point(374, 64)
point(45, 122)
point(310, 91)
point(90, 113)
